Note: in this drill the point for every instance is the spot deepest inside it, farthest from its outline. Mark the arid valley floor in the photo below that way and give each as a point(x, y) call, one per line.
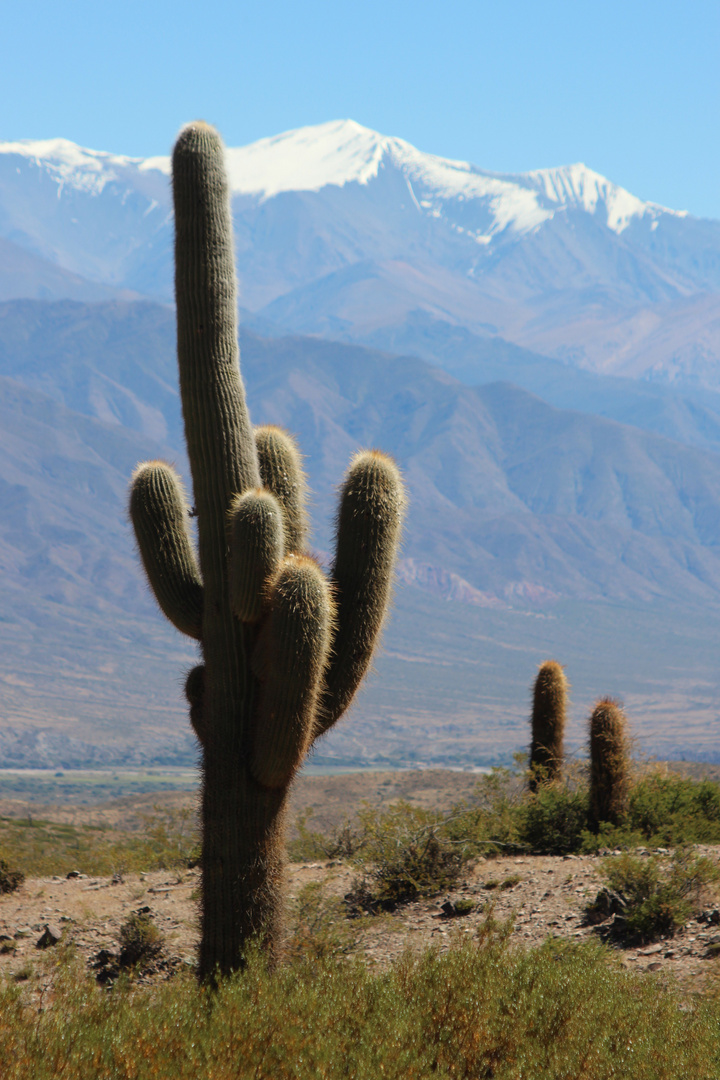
point(546, 896)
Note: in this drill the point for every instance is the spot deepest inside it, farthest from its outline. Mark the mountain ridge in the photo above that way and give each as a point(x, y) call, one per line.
point(345, 233)
point(340, 152)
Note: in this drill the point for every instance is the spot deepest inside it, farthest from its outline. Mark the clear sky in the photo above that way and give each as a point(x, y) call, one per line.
point(631, 88)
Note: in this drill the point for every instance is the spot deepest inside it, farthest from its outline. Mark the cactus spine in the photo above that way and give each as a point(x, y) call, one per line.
point(548, 724)
point(283, 648)
point(609, 763)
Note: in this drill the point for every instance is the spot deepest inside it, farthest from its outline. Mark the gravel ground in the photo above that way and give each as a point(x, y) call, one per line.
point(546, 896)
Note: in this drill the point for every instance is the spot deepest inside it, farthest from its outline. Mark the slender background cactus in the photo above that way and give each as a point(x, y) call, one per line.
point(284, 649)
point(609, 763)
point(548, 723)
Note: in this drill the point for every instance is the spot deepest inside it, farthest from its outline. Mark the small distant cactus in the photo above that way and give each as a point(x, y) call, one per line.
point(284, 647)
point(609, 763)
point(548, 724)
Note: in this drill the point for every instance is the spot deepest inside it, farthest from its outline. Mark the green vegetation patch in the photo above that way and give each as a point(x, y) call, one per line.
point(479, 1010)
point(656, 896)
point(40, 848)
point(407, 855)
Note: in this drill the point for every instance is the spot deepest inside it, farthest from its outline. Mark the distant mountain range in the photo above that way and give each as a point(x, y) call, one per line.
point(517, 507)
point(352, 235)
point(541, 353)
point(514, 496)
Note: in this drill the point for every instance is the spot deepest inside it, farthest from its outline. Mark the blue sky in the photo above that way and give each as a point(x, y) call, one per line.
point(632, 89)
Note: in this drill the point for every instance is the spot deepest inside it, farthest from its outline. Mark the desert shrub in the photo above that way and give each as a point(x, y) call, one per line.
point(407, 855)
point(10, 880)
point(673, 810)
point(479, 1010)
point(140, 940)
point(345, 842)
point(488, 823)
point(658, 896)
point(552, 821)
point(503, 816)
point(319, 926)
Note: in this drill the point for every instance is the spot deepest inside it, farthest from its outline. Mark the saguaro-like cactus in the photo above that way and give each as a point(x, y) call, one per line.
point(284, 649)
point(548, 723)
point(609, 763)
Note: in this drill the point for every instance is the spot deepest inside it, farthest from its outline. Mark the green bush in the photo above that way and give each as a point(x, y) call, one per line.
point(552, 821)
point(488, 823)
point(140, 940)
point(673, 810)
point(320, 929)
point(503, 816)
point(658, 896)
point(407, 855)
point(344, 842)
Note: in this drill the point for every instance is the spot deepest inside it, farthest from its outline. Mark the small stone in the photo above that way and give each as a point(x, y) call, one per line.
point(49, 937)
point(23, 932)
point(655, 966)
point(651, 950)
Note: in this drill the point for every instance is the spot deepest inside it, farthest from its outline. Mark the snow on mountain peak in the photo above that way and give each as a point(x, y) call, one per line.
point(77, 168)
point(342, 152)
point(307, 159)
point(86, 170)
point(577, 185)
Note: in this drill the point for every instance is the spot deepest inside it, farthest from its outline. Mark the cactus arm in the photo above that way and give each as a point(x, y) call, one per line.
point(159, 513)
point(282, 473)
point(195, 693)
point(256, 543)
point(368, 532)
point(290, 659)
point(220, 441)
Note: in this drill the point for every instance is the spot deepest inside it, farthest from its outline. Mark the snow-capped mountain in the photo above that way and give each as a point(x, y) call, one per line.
point(345, 232)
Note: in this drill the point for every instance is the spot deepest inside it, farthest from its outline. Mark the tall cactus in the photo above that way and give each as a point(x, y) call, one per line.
point(609, 763)
point(548, 723)
point(284, 649)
